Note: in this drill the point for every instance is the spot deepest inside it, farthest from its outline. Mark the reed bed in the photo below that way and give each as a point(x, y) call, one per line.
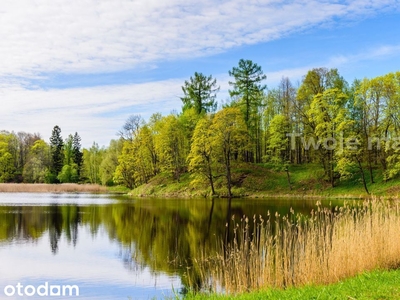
point(329, 245)
point(51, 188)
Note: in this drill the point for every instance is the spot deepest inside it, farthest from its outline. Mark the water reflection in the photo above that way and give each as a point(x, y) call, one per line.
point(157, 236)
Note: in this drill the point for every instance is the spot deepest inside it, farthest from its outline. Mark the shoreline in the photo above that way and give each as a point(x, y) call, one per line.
point(258, 181)
point(262, 196)
point(374, 284)
point(184, 193)
point(52, 188)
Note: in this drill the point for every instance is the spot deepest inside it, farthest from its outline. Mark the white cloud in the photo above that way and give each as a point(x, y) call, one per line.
point(96, 113)
point(79, 264)
point(39, 37)
point(379, 52)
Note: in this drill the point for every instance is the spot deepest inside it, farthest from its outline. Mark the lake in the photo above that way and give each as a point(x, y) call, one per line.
point(108, 247)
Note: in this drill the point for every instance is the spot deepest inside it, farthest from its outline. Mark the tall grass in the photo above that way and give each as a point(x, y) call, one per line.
point(294, 250)
point(51, 188)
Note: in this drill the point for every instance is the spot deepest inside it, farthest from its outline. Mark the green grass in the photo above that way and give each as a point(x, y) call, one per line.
point(371, 285)
point(260, 180)
point(163, 185)
point(118, 189)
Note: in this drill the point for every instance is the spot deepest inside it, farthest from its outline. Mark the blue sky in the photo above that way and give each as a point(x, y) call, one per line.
point(87, 65)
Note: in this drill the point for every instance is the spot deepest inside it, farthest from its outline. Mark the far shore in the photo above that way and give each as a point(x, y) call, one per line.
point(51, 188)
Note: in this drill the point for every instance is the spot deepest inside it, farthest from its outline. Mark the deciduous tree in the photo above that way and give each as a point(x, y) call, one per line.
point(170, 146)
point(38, 163)
point(200, 159)
point(229, 139)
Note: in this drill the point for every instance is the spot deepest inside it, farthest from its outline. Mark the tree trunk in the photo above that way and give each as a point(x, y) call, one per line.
point(228, 173)
point(210, 177)
point(363, 176)
point(371, 174)
point(332, 173)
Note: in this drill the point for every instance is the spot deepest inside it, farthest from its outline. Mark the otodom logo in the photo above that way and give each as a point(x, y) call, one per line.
point(43, 290)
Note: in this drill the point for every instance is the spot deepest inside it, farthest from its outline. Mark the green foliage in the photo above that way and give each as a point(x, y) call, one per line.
point(110, 162)
point(57, 151)
point(229, 140)
point(188, 120)
point(77, 154)
point(92, 159)
point(248, 94)
point(317, 81)
point(125, 171)
point(170, 146)
point(68, 153)
point(7, 161)
point(278, 141)
point(352, 132)
point(329, 118)
point(200, 93)
point(38, 163)
point(146, 158)
point(330, 122)
point(138, 159)
point(201, 159)
point(69, 173)
point(49, 177)
point(6, 167)
point(247, 86)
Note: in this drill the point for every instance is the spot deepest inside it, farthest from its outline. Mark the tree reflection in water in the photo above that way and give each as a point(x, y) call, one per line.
point(162, 235)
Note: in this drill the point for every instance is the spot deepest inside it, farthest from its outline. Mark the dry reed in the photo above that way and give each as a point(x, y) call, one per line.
point(331, 244)
point(51, 188)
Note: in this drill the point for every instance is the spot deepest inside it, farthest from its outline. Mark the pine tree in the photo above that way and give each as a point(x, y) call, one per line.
point(200, 93)
point(77, 154)
point(248, 91)
point(57, 154)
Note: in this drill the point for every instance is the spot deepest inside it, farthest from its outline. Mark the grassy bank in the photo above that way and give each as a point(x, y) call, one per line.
point(370, 285)
point(264, 181)
point(281, 252)
point(51, 188)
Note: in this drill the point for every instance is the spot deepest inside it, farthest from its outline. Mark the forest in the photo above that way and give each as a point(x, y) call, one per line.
point(349, 129)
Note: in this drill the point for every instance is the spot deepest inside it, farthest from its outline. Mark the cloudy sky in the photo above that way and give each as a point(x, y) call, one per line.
point(87, 65)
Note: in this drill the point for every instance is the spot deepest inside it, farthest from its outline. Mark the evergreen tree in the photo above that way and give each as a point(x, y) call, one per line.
point(77, 154)
point(57, 153)
point(200, 93)
point(248, 91)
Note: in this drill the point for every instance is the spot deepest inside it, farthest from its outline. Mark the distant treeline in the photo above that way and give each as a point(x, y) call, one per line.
point(350, 129)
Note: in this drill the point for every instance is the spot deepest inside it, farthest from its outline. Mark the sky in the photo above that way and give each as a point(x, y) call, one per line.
point(88, 65)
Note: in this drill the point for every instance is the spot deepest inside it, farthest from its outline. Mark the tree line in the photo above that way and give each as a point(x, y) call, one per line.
point(349, 129)
point(26, 157)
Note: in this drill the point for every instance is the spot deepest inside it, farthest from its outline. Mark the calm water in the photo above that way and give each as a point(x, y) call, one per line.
point(113, 248)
